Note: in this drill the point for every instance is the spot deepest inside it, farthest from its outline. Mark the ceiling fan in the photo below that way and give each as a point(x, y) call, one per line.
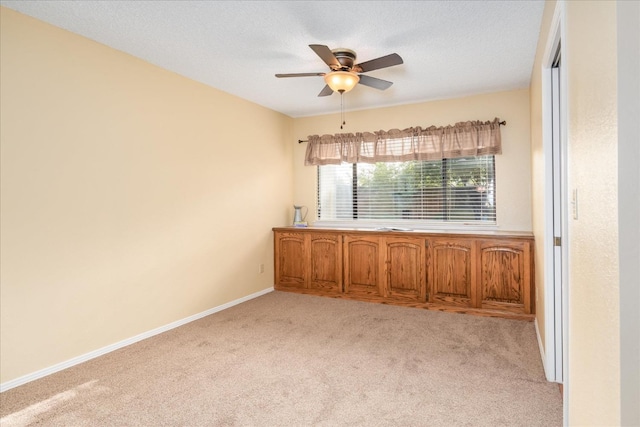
point(345, 73)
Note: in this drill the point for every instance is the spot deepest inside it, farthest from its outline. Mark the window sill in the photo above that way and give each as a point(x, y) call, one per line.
point(406, 226)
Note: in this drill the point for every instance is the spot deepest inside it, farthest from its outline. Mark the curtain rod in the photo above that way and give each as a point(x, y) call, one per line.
point(502, 123)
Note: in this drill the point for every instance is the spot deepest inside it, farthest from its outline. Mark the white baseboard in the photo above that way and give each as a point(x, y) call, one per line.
point(104, 350)
point(541, 348)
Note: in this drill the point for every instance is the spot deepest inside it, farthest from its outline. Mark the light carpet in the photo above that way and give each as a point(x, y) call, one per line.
point(286, 359)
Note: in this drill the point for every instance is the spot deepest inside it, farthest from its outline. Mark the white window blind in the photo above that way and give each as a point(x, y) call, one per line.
point(460, 190)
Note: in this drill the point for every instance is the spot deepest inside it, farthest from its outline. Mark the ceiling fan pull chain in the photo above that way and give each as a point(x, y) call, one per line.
point(342, 110)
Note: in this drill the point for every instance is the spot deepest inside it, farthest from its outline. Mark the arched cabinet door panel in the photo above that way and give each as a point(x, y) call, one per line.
point(452, 272)
point(363, 265)
point(505, 275)
point(405, 268)
point(326, 263)
point(291, 260)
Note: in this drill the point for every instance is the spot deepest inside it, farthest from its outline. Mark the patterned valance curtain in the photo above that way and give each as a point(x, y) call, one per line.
point(473, 138)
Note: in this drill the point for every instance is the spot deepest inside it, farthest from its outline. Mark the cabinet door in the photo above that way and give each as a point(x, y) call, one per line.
point(451, 272)
point(326, 262)
point(404, 264)
point(362, 265)
point(291, 255)
point(505, 275)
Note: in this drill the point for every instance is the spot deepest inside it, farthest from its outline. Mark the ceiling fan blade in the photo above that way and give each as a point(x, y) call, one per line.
point(326, 91)
point(374, 82)
point(300, 75)
point(326, 55)
point(382, 62)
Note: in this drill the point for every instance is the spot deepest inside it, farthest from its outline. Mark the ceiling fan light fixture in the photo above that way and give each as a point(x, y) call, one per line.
point(341, 81)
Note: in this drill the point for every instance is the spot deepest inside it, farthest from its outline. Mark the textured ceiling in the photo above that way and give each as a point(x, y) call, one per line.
point(450, 48)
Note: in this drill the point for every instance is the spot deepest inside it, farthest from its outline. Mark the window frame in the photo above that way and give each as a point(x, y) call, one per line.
point(405, 224)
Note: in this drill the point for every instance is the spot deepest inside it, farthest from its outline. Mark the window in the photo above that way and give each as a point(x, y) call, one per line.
point(460, 190)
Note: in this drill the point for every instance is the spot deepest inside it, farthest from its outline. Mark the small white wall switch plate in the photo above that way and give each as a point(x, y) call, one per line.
point(574, 203)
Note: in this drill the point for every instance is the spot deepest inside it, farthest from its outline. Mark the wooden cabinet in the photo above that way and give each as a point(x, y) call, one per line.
point(308, 261)
point(451, 272)
point(487, 274)
point(384, 267)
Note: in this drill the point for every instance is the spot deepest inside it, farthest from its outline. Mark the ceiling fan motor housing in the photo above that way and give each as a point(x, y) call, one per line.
point(346, 58)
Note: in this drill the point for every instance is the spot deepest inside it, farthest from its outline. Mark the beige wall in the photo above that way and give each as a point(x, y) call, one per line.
point(512, 166)
point(131, 197)
point(594, 350)
point(589, 59)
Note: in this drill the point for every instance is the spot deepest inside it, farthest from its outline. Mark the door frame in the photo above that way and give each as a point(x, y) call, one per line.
point(555, 301)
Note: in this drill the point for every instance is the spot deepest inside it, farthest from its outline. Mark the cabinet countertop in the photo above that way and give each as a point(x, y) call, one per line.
point(410, 232)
